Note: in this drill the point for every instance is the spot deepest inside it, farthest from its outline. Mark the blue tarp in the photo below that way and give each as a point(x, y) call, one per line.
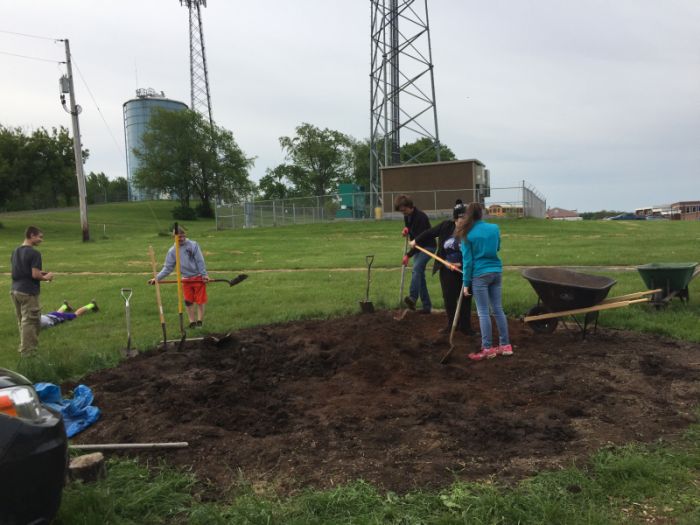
point(78, 413)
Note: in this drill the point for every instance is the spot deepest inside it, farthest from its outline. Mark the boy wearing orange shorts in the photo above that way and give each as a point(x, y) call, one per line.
point(194, 276)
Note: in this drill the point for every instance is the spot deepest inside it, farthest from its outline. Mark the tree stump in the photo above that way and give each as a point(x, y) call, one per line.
point(88, 468)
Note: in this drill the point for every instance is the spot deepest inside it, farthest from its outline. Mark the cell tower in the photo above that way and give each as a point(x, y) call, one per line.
point(402, 88)
point(199, 74)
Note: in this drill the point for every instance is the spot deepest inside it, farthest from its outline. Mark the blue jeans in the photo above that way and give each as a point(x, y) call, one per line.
point(419, 288)
point(487, 290)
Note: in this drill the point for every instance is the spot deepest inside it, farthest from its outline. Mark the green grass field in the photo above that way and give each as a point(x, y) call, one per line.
point(330, 282)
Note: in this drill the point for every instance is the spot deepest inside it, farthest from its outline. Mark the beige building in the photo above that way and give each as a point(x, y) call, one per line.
point(560, 214)
point(435, 186)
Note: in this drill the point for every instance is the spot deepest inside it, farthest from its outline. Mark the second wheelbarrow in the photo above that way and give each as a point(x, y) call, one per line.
point(564, 293)
point(672, 278)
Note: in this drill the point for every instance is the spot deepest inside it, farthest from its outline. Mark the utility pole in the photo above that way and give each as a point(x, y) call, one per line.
point(66, 85)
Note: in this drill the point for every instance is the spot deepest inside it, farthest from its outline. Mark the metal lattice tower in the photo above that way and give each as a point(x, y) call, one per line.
point(402, 88)
point(200, 98)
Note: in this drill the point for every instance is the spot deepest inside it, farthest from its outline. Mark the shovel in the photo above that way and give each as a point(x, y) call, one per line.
point(158, 299)
point(231, 282)
point(403, 273)
point(455, 322)
point(401, 314)
point(126, 294)
point(366, 307)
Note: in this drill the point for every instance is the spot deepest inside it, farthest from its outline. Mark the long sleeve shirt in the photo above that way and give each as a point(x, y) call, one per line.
point(480, 251)
point(191, 261)
point(444, 232)
point(417, 222)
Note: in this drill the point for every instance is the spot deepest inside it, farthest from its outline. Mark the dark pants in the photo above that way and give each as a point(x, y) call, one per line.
point(451, 283)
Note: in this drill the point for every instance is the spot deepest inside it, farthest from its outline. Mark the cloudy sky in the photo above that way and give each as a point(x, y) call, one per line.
point(594, 102)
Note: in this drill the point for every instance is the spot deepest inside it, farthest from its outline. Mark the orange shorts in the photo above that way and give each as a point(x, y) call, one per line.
point(195, 290)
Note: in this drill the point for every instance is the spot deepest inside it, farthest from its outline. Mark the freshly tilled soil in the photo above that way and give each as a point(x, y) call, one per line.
point(323, 402)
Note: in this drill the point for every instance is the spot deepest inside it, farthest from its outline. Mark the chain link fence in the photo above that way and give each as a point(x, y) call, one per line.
point(515, 201)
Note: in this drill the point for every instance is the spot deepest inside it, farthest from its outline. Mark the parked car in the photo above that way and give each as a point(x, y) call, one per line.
point(33, 454)
point(627, 217)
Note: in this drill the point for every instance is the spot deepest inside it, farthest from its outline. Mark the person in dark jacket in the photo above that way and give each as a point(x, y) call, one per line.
point(416, 222)
point(450, 280)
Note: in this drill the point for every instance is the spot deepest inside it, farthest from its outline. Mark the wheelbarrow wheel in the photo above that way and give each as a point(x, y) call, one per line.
point(543, 326)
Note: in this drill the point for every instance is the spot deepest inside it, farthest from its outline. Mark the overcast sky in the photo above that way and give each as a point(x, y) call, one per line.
point(594, 102)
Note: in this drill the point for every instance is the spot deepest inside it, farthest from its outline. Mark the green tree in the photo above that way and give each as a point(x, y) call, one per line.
point(101, 189)
point(37, 170)
point(185, 156)
point(423, 150)
point(319, 159)
point(277, 182)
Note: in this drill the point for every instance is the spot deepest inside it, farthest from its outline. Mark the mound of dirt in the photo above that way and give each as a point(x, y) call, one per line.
point(318, 403)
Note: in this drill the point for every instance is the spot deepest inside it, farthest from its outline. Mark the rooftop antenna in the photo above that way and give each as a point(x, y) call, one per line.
point(402, 87)
point(200, 98)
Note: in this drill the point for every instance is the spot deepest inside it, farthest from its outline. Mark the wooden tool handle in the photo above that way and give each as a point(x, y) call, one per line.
point(443, 261)
point(178, 274)
point(152, 255)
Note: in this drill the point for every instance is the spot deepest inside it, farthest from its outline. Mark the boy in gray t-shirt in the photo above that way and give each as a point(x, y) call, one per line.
point(27, 275)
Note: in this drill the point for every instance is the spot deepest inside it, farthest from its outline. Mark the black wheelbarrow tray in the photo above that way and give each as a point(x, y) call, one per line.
point(564, 293)
point(672, 278)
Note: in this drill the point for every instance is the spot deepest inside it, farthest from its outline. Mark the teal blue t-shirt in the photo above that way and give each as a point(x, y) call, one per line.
point(480, 251)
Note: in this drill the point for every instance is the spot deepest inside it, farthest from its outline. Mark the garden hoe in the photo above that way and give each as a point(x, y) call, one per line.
point(180, 292)
point(158, 299)
point(366, 306)
point(126, 295)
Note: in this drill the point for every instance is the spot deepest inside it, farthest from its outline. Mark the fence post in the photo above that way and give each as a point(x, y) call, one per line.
point(274, 214)
point(435, 201)
point(294, 213)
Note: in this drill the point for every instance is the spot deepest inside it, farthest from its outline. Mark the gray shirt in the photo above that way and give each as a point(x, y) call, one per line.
point(191, 261)
point(23, 259)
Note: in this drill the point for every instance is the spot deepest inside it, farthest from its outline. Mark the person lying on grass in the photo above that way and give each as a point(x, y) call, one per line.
point(66, 313)
point(194, 276)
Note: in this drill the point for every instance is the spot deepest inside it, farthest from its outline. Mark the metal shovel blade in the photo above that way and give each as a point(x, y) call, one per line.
point(366, 307)
point(129, 352)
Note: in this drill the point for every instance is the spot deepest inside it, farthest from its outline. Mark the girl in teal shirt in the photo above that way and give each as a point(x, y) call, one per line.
point(482, 273)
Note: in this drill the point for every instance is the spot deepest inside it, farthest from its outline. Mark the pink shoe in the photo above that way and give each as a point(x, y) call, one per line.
point(486, 353)
point(505, 350)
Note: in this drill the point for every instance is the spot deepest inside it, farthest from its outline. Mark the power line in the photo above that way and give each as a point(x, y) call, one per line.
point(31, 58)
point(119, 147)
point(29, 36)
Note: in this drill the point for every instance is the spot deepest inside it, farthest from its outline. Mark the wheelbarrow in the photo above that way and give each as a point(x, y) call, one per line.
point(564, 293)
point(672, 278)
